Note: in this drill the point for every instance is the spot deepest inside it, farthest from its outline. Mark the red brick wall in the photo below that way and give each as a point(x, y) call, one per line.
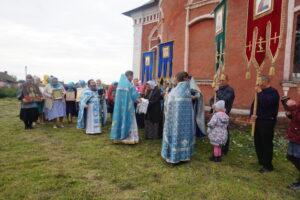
point(201, 52)
point(145, 37)
point(202, 45)
point(174, 29)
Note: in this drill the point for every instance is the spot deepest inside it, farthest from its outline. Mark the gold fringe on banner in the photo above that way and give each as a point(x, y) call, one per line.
point(222, 76)
point(259, 80)
point(158, 82)
point(248, 75)
point(272, 70)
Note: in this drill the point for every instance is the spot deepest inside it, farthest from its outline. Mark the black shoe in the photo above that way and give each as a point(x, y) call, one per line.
point(294, 186)
point(215, 159)
point(265, 170)
point(218, 159)
point(212, 158)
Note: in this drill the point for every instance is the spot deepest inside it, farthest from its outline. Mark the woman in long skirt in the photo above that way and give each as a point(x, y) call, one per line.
point(54, 102)
point(153, 119)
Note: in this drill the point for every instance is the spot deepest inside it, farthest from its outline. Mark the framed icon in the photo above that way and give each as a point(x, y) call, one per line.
point(79, 94)
point(147, 61)
point(263, 7)
point(166, 51)
point(31, 92)
point(219, 20)
point(57, 94)
point(70, 96)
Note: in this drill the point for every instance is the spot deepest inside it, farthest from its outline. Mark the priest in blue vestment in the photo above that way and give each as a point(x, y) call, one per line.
point(89, 116)
point(124, 126)
point(178, 133)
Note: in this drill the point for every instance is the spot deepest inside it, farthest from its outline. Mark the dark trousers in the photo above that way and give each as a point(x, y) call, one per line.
point(225, 148)
point(296, 163)
point(28, 115)
point(263, 141)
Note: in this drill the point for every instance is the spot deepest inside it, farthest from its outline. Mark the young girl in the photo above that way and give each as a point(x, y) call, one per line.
point(217, 130)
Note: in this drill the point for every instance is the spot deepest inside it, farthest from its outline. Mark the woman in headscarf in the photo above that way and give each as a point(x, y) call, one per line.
point(55, 103)
point(111, 94)
point(178, 132)
point(29, 111)
point(46, 80)
point(153, 116)
point(41, 104)
point(102, 96)
point(70, 101)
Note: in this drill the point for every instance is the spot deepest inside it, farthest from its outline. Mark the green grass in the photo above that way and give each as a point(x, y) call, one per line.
point(48, 163)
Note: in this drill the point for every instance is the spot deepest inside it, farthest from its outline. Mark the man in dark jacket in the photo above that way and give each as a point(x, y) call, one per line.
point(266, 118)
point(226, 93)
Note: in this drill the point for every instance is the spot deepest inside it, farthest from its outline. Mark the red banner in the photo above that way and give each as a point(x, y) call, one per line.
point(263, 14)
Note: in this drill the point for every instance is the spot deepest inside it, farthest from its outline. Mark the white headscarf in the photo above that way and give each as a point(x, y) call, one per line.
point(152, 84)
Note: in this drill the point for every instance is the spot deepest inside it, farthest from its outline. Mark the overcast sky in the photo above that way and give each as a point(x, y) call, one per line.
point(71, 39)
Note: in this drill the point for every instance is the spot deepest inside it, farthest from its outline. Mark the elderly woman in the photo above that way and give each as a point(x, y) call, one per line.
point(29, 110)
point(153, 116)
point(293, 136)
point(55, 108)
point(41, 104)
point(178, 132)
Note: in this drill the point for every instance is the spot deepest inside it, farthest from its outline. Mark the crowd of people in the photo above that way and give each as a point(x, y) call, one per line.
point(173, 111)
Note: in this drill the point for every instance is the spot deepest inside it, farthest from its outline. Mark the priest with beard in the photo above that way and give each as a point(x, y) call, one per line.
point(89, 116)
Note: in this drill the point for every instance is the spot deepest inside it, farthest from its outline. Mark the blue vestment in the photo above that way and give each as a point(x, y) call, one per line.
point(88, 97)
point(124, 110)
point(178, 133)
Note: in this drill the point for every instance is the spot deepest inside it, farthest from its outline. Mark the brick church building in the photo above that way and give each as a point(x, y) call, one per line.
point(190, 24)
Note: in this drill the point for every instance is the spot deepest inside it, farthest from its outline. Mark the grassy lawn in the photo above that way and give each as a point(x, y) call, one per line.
point(47, 163)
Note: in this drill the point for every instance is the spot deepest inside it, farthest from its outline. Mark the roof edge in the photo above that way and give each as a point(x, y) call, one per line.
point(145, 6)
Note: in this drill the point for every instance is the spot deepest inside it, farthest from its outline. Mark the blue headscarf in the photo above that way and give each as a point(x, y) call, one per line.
point(70, 84)
point(51, 83)
point(81, 83)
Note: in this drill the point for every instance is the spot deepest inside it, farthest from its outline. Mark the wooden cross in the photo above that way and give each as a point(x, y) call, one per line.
point(260, 42)
point(275, 38)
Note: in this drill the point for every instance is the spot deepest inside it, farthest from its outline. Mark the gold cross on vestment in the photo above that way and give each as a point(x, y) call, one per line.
point(249, 47)
point(275, 38)
point(260, 42)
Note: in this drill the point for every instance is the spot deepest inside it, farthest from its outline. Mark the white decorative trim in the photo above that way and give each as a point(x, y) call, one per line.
point(244, 112)
point(137, 50)
point(161, 25)
point(289, 37)
point(204, 81)
point(201, 18)
point(201, 3)
point(187, 40)
point(151, 38)
point(189, 23)
point(297, 8)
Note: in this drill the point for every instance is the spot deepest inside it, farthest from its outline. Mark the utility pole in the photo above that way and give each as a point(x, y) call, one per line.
point(25, 71)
